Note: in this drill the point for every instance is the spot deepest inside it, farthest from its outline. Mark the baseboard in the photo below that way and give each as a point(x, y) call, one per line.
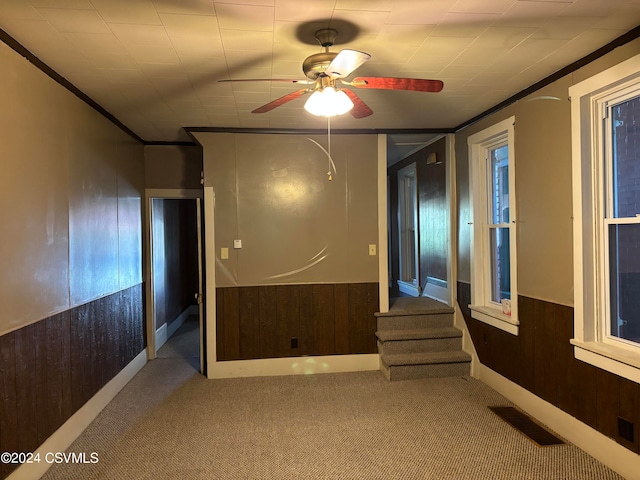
point(294, 366)
point(467, 342)
point(408, 289)
point(616, 457)
point(161, 336)
point(166, 331)
point(62, 438)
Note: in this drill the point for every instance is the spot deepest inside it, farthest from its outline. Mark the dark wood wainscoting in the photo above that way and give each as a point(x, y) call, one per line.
point(326, 319)
point(49, 369)
point(541, 360)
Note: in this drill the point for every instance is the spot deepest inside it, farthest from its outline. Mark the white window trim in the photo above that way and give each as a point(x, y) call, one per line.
point(586, 172)
point(477, 143)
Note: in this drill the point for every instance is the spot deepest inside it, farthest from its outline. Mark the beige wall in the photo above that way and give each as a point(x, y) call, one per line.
point(173, 166)
point(70, 195)
point(272, 192)
point(543, 184)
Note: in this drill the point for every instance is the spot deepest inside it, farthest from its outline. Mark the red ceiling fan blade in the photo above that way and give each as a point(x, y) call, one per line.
point(390, 83)
point(346, 62)
point(280, 101)
point(360, 109)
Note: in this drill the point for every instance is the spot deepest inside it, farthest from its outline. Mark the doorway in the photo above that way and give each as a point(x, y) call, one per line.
point(421, 229)
point(175, 326)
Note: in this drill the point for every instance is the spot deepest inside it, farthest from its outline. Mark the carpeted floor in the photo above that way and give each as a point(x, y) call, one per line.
point(171, 423)
point(184, 343)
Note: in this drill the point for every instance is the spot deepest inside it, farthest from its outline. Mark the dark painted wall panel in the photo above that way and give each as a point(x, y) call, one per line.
point(232, 327)
point(8, 401)
point(287, 319)
point(268, 322)
point(540, 358)
point(25, 358)
point(310, 335)
point(432, 213)
point(394, 234)
point(49, 369)
point(249, 319)
point(341, 312)
point(323, 314)
point(326, 319)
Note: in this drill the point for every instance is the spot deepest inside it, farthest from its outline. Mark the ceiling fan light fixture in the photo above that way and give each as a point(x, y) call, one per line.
point(328, 102)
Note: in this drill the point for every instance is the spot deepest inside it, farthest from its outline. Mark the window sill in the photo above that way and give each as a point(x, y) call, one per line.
point(607, 357)
point(495, 318)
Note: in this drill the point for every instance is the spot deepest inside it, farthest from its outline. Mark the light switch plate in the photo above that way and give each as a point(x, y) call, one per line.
point(224, 253)
point(237, 244)
point(372, 249)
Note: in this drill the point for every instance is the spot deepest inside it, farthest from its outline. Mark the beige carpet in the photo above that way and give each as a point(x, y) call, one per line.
point(184, 343)
point(171, 423)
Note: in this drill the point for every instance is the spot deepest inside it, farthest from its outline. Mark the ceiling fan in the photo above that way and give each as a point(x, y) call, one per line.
point(326, 70)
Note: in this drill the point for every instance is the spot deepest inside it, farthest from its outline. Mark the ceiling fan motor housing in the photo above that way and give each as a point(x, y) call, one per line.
point(315, 65)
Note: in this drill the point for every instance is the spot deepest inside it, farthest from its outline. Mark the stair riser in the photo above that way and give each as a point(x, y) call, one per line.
point(413, 372)
point(409, 322)
point(419, 346)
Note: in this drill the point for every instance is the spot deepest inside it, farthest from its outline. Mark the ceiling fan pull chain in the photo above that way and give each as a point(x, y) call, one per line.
point(329, 145)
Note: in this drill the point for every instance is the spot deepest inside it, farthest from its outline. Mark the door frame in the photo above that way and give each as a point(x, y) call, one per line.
point(150, 195)
point(448, 293)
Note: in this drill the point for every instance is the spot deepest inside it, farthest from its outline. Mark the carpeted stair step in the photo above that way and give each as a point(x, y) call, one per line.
point(418, 321)
point(407, 366)
point(416, 341)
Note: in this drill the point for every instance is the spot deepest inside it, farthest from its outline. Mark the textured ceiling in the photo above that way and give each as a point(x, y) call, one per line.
point(154, 64)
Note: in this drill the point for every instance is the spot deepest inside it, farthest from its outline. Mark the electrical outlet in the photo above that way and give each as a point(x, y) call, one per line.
point(625, 429)
point(372, 249)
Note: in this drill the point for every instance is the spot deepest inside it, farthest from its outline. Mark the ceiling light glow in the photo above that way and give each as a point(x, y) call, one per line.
point(328, 103)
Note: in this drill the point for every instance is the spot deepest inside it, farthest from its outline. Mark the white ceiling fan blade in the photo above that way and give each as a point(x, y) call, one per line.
point(346, 62)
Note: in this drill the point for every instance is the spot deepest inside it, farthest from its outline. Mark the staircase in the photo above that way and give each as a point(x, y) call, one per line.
point(417, 339)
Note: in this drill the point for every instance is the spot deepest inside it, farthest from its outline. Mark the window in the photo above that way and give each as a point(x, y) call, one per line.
point(407, 222)
point(493, 266)
point(606, 183)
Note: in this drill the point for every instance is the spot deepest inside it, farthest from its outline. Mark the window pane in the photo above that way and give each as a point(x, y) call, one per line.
point(499, 185)
point(624, 281)
point(500, 264)
point(626, 158)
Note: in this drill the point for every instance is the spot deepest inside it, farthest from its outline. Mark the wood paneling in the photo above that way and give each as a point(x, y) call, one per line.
point(249, 322)
point(268, 322)
point(323, 320)
point(341, 315)
point(287, 319)
point(540, 358)
point(432, 213)
point(308, 321)
point(394, 233)
point(8, 400)
point(326, 319)
point(25, 356)
point(232, 328)
point(49, 369)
